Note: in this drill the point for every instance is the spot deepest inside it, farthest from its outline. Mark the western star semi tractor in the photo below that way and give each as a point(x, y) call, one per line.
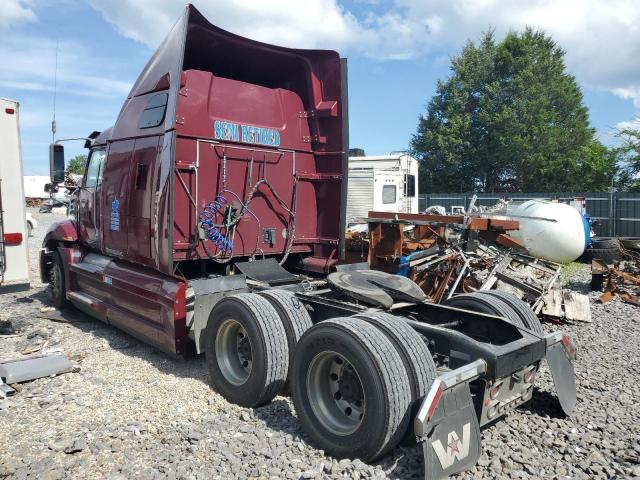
point(211, 220)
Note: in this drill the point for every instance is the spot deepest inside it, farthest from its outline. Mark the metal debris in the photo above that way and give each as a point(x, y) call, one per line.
point(23, 370)
point(621, 280)
point(449, 254)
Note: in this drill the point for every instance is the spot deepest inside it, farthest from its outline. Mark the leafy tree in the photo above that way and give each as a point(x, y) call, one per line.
point(76, 165)
point(509, 118)
point(629, 177)
point(597, 168)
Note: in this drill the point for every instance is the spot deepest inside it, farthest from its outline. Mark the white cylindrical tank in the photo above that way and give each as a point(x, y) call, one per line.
point(549, 230)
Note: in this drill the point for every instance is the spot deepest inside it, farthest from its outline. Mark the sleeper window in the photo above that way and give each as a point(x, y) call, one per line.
point(153, 114)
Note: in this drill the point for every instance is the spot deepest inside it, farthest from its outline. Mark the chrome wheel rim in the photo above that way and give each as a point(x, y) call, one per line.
point(233, 352)
point(335, 393)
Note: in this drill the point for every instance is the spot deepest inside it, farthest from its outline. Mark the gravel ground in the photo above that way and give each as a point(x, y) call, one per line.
point(133, 412)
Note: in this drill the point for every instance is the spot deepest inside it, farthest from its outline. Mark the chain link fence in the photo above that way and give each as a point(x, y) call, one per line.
point(618, 213)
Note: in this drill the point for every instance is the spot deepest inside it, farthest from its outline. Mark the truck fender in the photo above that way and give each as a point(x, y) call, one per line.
point(64, 231)
point(58, 233)
point(447, 423)
point(560, 357)
point(202, 296)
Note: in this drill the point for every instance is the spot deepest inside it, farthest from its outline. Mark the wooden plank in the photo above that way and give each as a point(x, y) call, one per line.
point(552, 303)
point(457, 219)
point(576, 306)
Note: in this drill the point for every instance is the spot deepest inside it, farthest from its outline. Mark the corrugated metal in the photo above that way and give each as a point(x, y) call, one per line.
point(618, 214)
point(359, 193)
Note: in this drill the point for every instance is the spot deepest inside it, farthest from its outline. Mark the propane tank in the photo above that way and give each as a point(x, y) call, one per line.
point(549, 230)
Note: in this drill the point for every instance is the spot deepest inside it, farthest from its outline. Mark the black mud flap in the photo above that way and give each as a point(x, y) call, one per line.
point(564, 376)
point(452, 443)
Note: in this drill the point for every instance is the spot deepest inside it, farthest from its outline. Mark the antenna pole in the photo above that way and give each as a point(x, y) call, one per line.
point(55, 90)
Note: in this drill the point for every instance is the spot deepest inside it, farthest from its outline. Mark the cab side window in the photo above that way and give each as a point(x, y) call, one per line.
point(95, 168)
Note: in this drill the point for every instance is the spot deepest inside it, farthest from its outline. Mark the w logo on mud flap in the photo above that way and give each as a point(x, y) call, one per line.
point(456, 449)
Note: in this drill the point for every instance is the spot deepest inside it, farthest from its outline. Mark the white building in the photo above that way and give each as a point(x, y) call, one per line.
point(34, 186)
point(386, 183)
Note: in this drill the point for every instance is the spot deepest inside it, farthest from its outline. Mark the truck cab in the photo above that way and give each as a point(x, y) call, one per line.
point(211, 219)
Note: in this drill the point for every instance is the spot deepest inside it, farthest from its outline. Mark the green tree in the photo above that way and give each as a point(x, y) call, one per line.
point(629, 176)
point(509, 118)
point(597, 167)
point(76, 165)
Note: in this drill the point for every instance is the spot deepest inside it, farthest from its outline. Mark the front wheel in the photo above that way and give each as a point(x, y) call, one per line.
point(57, 283)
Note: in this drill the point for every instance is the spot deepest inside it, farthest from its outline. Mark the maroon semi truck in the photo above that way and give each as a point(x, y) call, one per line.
point(211, 220)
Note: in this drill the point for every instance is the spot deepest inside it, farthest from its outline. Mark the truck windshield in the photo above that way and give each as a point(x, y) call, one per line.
point(94, 170)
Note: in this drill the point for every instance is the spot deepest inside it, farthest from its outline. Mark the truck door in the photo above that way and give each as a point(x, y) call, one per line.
point(115, 198)
point(89, 199)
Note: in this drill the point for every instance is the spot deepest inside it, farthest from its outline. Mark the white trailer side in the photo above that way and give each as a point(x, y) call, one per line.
point(387, 183)
point(14, 258)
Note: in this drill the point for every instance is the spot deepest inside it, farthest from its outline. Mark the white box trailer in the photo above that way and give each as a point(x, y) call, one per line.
point(386, 183)
point(14, 256)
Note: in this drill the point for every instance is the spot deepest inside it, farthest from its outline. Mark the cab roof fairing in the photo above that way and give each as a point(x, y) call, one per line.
point(185, 46)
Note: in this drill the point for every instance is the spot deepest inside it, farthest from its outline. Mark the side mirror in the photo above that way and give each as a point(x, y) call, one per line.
point(56, 163)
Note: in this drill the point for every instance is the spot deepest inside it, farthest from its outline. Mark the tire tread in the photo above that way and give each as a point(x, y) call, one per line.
point(391, 371)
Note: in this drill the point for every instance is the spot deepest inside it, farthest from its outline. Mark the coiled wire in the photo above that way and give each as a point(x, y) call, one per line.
point(211, 229)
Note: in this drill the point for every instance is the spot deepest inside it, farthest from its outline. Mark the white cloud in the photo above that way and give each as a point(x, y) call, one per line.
point(629, 93)
point(12, 11)
point(601, 37)
point(311, 24)
point(632, 125)
point(32, 66)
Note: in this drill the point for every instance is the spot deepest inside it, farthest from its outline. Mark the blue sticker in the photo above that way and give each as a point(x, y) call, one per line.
point(234, 132)
point(115, 215)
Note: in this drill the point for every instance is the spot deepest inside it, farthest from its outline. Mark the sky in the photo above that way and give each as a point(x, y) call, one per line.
point(396, 49)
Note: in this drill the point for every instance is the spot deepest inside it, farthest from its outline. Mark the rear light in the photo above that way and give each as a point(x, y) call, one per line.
point(495, 390)
point(10, 111)
point(568, 346)
point(434, 403)
point(530, 376)
point(12, 238)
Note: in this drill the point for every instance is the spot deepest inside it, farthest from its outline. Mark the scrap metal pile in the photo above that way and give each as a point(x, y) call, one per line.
point(621, 279)
point(451, 254)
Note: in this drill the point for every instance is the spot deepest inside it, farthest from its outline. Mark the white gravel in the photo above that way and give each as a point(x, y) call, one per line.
point(133, 412)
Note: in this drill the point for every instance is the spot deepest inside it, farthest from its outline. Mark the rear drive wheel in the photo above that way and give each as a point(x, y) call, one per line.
point(246, 350)
point(295, 319)
point(57, 284)
point(414, 353)
point(483, 303)
point(350, 389)
point(522, 308)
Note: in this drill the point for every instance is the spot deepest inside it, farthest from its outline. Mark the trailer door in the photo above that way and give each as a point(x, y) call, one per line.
point(388, 192)
point(359, 193)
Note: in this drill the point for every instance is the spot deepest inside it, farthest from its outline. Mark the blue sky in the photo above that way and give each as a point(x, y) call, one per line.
point(397, 50)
